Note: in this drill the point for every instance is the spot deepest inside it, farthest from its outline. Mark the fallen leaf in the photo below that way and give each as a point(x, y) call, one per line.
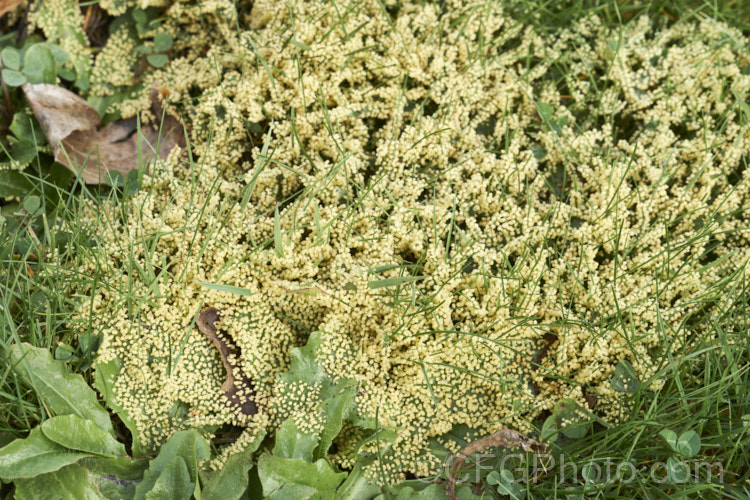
point(8, 5)
point(507, 438)
point(238, 393)
point(72, 129)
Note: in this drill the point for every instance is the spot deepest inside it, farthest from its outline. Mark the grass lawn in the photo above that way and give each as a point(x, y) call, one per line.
point(399, 250)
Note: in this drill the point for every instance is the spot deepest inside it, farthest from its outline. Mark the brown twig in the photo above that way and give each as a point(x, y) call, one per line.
point(507, 438)
point(238, 393)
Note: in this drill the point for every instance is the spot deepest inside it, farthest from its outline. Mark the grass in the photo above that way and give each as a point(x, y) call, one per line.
point(706, 379)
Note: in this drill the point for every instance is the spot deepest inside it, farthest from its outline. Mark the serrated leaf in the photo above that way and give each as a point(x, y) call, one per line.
point(76, 433)
point(69, 483)
point(163, 42)
point(63, 392)
point(33, 456)
point(290, 479)
point(157, 60)
point(13, 78)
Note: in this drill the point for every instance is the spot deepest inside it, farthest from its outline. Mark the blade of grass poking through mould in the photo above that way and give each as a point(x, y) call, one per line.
point(277, 242)
point(226, 288)
point(388, 282)
point(263, 160)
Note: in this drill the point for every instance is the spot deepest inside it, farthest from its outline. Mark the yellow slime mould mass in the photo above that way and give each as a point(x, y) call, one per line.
point(479, 220)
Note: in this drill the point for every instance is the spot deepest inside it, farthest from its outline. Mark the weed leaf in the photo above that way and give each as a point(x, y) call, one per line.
point(35, 455)
point(76, 433)
point(72, 482)
point(63, 392)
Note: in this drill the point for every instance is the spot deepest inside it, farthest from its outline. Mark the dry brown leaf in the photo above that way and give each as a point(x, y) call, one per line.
point(8, 5)
point(238, 393)
point(507, 438)
point(72, 129)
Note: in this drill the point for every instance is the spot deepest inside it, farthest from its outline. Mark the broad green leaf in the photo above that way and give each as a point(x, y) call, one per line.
point(35, 455)
point(121, 467)
point(293, 443)
point(69, 483)
point(688, 444)
point(63, 392)
point(494, 477)
point(11, 59)
point(22, 151)
point(139, 16)
point(549, 430)
point(60, 55)
point(431, 492)
point(173, 482)
point(231, 481)
point(388, 282)
point(670, 437)
point(189, 445)
point(304, 365)
point(571, 418)
point(226, 288)
point(116, 478)
point(545, 111)
point(357, 485)
point(157, 60)
point(162, 42)
point(76, 433)
point(335, 410)
point(13, 183)
point(677, 471)
point(13, 78)
point(39, 65)
point(27, 129)
point(292, 479)
point(624, 378)
point(31, 204)
point(105, 376)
